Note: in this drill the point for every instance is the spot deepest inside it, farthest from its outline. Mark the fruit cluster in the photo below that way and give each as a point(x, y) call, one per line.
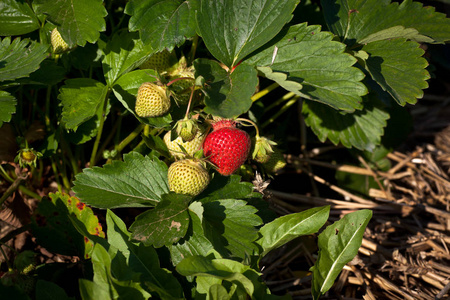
point(193, 147)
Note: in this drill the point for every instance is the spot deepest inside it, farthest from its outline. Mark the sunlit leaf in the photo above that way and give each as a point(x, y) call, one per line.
point(123, 53)
point(7, 106)
point(163, 24)
point(399, 68)
point(16, 18)
point(230, 225)
point(78, 21)
point(225, 94)
point(385, 20)
point(286, 228)
point(20, 58)
point(338, 244)
point(233, 29)
point(142, 259)
point(194, 242)
point(80, 99)
point(53, 228)
point(165, 224)
point(362, 129)
point(314, 67)
point(137, 181)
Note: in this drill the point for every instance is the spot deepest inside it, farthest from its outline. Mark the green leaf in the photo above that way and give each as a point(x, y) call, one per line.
point(80, 99)
point(78, 21)
point(286, 228)
point(137, 181)
point(232, 30)
point(218, 292)
point(230, 225)
point(109, 278)
point(52, 225)
point(49, 73)
point(125, 89)
point(195, 241)
point(157, 144)
point(123, 53)
point(92, 290)
point(338, 244)
point(227, 187)
point(7, 106)
point(225, 94)
point(399, 68)
point(165, 224)
point(212, 271)
point(88, 130)
point(220, 268)
point(117, 233)
point(362, 129)
point(20, 58)
point(317, 67)
point(385, 20)
point(13, 292)
point(48, 290)
point(163, 24)
point(143, 260)
point(16, 18)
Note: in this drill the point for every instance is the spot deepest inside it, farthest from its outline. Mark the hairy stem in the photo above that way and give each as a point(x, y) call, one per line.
point(100, 130)
point(130, 137)
point(281, 111)
point(241, 120)
point(11, 189)
point(264, 91)
point(189, 103)
point(191, 55)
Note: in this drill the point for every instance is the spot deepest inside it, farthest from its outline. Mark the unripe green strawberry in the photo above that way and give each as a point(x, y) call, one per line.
point(276, 162)
point(191, 147)
point(188, 177)
point(58, 44)
point(151, 100)
point(159, 62)
point(262, 149)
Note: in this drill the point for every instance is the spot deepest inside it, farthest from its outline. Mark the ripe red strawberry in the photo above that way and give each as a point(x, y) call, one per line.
point(227, 147)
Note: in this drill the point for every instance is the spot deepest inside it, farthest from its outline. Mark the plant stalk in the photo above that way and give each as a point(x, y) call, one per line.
point(130, 137)
point(264, 92)
point(100, 130)
point(281, 111)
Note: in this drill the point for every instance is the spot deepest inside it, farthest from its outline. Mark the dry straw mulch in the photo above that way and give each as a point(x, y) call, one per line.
point(405, 251)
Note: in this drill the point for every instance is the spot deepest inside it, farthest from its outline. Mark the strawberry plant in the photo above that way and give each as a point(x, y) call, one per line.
point(149, 118)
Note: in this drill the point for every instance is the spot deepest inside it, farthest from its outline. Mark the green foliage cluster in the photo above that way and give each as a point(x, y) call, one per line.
point(350, 80)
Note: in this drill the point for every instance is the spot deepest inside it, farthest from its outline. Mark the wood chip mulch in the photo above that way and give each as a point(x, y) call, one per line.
point(405, 250)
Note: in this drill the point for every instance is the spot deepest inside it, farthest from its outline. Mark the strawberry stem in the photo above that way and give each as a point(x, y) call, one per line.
point(180, 78)
point(193, 49)
point(100, 130)
point(189, 103)
point(242, 120)
point(281, 111)
point(264, 92)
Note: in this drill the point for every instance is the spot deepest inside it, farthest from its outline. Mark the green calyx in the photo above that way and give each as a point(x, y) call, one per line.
point(187, 129)
point(27, 157)
point(262, 149)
